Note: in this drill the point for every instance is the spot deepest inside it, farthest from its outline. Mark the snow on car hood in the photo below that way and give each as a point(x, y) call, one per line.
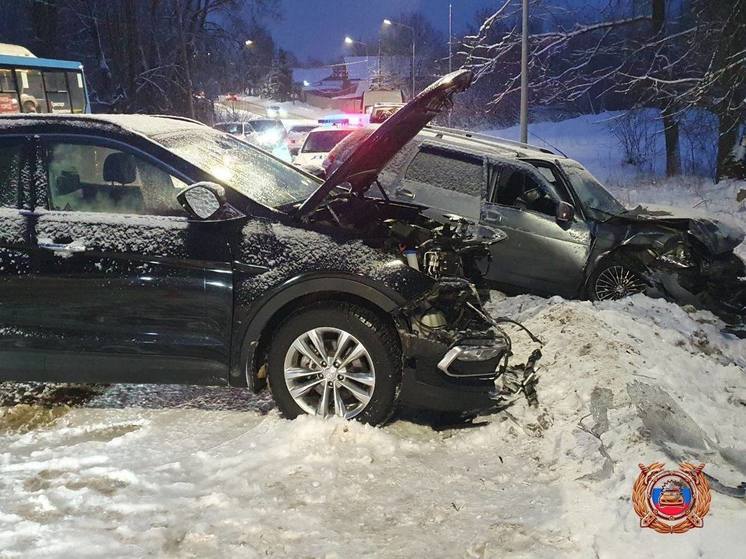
point(372, 154)
point(716, 234)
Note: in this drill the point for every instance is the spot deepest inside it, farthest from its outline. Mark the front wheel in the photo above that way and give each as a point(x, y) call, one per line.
point(335, 359)
point(614, 279)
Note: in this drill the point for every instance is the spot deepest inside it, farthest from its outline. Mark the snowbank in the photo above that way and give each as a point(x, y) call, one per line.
point(180, 471)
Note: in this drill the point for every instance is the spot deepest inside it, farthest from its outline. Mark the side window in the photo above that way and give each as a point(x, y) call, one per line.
point(520, 189)
point(77, 91)
point(10, 172)
point(8, 93)
point(94, 178)
point(31, 86)
point(57, 95)
point(448, 170)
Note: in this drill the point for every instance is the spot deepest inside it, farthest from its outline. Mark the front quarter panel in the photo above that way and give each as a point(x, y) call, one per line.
point(277, 263)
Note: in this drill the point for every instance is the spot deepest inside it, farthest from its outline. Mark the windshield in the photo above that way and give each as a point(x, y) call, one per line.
point(592, 194)
point(241, 166)
point(324, 141)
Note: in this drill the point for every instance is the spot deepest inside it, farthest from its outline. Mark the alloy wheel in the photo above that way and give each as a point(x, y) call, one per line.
point(617, 282)
point(329, 372)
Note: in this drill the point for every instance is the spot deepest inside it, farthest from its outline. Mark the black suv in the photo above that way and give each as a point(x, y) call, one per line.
point(157, 250)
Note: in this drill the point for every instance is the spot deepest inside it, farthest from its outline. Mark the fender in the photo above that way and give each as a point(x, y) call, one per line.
point(250, 323)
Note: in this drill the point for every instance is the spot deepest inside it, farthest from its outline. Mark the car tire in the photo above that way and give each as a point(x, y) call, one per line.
point(366, 388)
point(614, 278)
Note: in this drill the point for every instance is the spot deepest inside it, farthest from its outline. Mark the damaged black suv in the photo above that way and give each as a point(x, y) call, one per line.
point(157, 250)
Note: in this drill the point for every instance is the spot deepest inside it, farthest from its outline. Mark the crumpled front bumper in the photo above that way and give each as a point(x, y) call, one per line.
point(447, 378)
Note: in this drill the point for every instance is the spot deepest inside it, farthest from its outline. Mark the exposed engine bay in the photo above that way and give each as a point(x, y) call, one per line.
point(438, 245)
point(455, 253)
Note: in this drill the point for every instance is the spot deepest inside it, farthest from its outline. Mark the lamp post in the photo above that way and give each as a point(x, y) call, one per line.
point(524, 75)
point(388, 22)
point(350, 41)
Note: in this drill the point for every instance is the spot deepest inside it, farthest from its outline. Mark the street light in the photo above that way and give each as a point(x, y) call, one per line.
point(350, 41)
point(388, 22)
point(248, 42)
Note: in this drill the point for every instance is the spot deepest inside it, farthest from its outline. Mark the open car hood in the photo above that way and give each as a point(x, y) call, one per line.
point(716, 235)
point(364, 164)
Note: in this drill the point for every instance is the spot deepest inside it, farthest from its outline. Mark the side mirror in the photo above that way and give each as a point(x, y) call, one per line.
point(202, 200)
point(565, 213)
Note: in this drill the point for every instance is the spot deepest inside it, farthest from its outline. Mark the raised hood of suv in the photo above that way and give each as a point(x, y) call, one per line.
point(365, 163)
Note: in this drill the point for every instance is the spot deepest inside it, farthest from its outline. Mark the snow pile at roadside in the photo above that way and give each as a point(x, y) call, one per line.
point(621, 383)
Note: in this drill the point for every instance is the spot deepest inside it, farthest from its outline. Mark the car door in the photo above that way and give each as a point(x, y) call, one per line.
point(131, 290)
point(541, 254)
point(447, 180)
point(18, 305)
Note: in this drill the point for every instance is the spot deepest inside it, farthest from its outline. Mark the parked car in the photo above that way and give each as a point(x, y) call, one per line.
point(318, 144)
point(152, 249)
point(268, 134)
point(297, 133)
point(567, 234)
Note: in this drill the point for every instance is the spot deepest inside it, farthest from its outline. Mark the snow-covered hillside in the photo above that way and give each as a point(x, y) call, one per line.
point(197, 472)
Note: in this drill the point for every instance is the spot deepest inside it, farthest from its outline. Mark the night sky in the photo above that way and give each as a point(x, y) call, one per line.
point(316, 28)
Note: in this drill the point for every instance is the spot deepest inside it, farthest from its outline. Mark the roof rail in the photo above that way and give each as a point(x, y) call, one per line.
point(485, 138)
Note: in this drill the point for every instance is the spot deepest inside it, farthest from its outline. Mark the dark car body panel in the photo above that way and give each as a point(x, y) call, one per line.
point(163, 299)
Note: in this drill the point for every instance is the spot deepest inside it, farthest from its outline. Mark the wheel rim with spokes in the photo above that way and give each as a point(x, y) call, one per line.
point(329, 372)
point(616, 282)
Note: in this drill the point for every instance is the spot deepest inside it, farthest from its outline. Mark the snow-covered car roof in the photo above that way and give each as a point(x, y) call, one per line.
point(147, 125)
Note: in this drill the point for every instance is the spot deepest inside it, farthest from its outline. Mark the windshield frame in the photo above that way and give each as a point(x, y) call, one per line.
point(597, 213)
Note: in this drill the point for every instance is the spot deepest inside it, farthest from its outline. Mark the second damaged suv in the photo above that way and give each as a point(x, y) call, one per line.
point(158, 250)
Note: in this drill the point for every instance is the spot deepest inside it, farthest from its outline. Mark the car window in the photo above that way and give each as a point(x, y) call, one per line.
point(10, 173)
point(231, 128)
point(448, 170)
point(324, 140)
point(518, 188)
point(94, 178)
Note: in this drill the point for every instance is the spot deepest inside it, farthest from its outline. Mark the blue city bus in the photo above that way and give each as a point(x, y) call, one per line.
point(41, 85)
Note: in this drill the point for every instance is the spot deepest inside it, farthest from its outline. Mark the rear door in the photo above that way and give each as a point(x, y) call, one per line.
point(540, 255)
point(132, 291)
point(18, 304)
point(443, 179)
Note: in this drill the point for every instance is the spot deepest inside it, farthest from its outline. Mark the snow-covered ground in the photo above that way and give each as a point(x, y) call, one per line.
point(198, 472)
point(138, 471)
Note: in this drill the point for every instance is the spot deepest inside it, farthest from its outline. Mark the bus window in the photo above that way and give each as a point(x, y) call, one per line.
point(8, 94)
point(77, 91)
point(32, 91)
point(57, 95)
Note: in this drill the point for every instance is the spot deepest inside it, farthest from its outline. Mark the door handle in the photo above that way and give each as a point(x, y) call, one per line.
point(62, 248)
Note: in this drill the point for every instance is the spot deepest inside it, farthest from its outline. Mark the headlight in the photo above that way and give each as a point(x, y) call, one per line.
point(679, 256)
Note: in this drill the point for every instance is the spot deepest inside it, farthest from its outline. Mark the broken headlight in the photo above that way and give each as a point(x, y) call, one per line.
point(679, 256)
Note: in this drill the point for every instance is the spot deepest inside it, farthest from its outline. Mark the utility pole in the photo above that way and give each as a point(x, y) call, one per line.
point(450, 49)
point(524, 75)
